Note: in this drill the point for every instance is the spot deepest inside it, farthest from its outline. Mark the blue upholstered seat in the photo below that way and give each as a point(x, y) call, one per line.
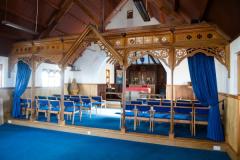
point(55, 105)
point(42, 104)
point(161, 115)
point(201, 118)
point(43, 108)
point(129, 114)
point(180, 117)
point(144, 114)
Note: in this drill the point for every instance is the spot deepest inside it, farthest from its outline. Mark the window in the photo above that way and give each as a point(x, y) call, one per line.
point(1, 76)
point(50, 78)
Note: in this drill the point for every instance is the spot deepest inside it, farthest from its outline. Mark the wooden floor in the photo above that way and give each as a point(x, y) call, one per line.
point(138, 137)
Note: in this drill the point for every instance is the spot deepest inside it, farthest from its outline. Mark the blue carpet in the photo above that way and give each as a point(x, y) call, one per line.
point(113, 122)
point(25, 143)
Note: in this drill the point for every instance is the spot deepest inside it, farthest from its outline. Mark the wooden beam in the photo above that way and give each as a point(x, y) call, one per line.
point(52, 4)
point(25, 18)
point(66, 5)
point(75, 17)
point(87, 12)
point(115, 11)
point(165, 7)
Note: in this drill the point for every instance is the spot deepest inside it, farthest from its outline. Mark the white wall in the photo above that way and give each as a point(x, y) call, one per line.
point(234, 49)
point(93, 67)
point(7, 82)
point(120, 19)
point(222, 77)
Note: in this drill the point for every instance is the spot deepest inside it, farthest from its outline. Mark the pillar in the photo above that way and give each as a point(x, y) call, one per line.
point(33, 91)
point(61, 121)
point(123, 122)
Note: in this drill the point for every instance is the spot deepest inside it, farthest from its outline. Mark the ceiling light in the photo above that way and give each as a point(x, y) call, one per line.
point(16, 26)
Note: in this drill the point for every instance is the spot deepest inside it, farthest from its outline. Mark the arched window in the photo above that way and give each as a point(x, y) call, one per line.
point(50, 78)
point(44, 77)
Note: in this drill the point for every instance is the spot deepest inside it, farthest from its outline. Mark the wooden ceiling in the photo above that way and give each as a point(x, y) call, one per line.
point(66, 17)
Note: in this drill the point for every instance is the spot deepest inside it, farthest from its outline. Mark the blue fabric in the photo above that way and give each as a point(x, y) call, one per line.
point(203, 77)
point(144, 114)
point(22, 79)
point(200, 117)
point(161, 115)
point(43, 107)
point(55, 109)
point(41, 144)
point(129, 114)
point(180, 117)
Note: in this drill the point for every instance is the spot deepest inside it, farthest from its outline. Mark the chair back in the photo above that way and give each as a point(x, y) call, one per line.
point(75, 99)
point(83, 97)
point(183, 107)
point(86, 100)
point(66, 97)
point(153, 102)
point(162, 109)
point(42, 102)
point(183, 101)
point(136, 102)
point(24, 102)
point(143, 108)
point(97, 98)
point(129, 107)
point(42, 97)
point(52, 98)
point(143, 100)
point(54, 103)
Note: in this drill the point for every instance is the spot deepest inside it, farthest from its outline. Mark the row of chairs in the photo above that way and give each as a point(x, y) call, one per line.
point(95, 100)
point(71, 106)
point(183, 112)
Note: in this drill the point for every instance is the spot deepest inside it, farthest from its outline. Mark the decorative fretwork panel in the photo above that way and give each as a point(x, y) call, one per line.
point(161, 54)
point(111, 58)
point(197, 36)
point(217, 52)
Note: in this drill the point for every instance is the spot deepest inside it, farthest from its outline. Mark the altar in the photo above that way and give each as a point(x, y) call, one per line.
point(133, 92)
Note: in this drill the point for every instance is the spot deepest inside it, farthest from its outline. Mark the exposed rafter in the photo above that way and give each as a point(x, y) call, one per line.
point(87, 11)
point(115, 11)
point(56, 17)
point(51, 4)
point(25, 18)
point(164, 7)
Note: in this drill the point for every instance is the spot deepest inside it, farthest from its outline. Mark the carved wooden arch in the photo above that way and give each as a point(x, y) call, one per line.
point(217, 52)
point(83, 41)
point(162, 54)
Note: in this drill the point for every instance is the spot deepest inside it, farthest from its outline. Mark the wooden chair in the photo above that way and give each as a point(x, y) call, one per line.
point(70, 110)
point(183, 114)
point(98, 101)
point(130, 112)
point(160, 114)
point(200, 115)
point(86, 104)
point(143, 114)
point(42, 106)
point(55, 108)
point(25, 105)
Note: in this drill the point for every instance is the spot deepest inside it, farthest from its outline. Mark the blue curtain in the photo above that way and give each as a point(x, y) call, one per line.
point(203, 77)
point(22, 79)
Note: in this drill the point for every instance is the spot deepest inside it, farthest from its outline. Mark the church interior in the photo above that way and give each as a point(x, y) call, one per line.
point(120, 79)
